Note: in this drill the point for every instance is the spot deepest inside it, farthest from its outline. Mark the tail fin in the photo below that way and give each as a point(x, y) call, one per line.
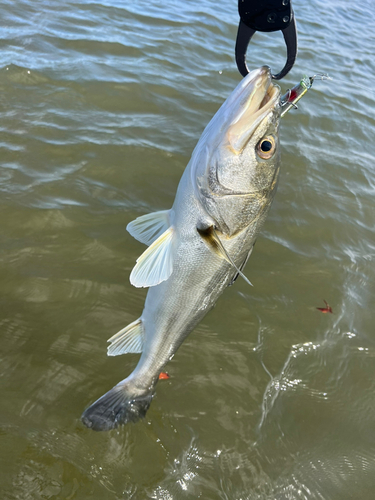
point(116, 407)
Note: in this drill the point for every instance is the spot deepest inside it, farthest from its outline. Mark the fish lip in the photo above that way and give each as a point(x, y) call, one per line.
point(264, 83)
point(259, 97)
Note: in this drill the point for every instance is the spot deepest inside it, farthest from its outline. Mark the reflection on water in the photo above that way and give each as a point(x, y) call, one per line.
point(101, 105)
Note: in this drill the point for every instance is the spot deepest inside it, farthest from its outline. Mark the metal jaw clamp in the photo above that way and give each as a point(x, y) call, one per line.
point(266, 15)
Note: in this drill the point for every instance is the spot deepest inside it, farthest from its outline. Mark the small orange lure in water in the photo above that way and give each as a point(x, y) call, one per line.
point(164, 376)
point(327, 309)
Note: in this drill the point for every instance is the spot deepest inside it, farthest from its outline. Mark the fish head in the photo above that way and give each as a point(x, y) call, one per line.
point(238, 156)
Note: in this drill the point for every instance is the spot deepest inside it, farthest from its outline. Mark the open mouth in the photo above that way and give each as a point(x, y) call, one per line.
point(261, 97)
point(271, 96)
point(260, 93)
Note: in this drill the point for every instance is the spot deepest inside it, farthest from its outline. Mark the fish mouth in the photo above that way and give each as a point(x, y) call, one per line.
point(258, 97)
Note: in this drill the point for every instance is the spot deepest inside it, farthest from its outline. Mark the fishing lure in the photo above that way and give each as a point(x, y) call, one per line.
point(292, 96)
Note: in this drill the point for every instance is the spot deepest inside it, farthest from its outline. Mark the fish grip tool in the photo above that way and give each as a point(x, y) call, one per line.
point(266, 16)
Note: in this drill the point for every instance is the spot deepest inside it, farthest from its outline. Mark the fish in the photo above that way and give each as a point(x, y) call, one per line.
point(201, 245)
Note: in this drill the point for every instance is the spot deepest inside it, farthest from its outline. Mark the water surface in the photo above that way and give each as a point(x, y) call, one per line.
point(101, 104)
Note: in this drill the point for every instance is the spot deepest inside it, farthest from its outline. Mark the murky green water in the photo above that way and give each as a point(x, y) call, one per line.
point(101, 105)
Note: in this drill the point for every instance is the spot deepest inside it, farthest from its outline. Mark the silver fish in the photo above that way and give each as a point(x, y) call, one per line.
point(198, 247)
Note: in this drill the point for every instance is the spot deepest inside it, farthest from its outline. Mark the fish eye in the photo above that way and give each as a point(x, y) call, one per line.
point(266, 147)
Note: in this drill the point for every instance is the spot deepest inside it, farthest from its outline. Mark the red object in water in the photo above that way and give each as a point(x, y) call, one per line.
point(164, 376)
point(327, 309)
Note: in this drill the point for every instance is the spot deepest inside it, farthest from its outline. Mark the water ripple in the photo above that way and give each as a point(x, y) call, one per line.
point(101, 104)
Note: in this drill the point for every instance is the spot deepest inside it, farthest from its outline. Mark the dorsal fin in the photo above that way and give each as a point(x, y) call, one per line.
point(212, 240)
point(129, 339)
point(155, 264)
point(149, 227)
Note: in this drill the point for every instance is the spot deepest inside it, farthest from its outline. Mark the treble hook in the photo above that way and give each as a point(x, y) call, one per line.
point(267, 16)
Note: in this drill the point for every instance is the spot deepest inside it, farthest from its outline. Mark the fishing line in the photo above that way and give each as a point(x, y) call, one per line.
point(326, 76)
point(352, 84)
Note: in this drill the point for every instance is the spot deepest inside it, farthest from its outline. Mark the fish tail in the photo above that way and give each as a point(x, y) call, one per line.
point(118, 406)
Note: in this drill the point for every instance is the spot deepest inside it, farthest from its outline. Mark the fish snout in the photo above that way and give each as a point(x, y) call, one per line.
point(258, 98)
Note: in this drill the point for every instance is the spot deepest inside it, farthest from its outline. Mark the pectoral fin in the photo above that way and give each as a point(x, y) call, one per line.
point(149, 227)
point(155, 264)
point(212, 240)
point(129, 339)
point(242, 265)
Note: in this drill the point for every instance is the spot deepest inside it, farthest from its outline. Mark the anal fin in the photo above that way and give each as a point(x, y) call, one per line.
point(129, 339)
